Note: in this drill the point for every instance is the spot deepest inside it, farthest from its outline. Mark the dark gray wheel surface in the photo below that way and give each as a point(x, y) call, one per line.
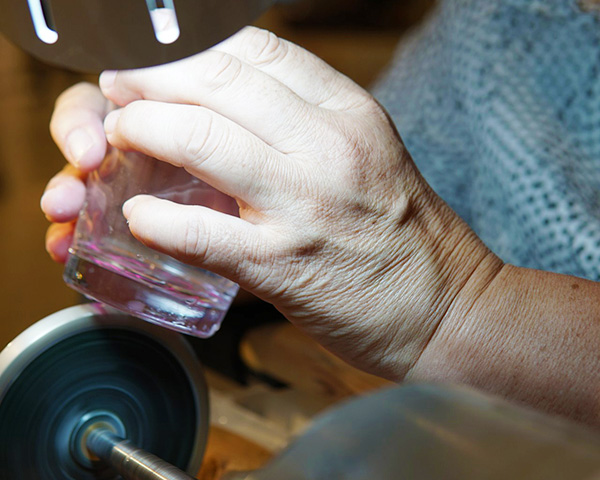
point(91, 360)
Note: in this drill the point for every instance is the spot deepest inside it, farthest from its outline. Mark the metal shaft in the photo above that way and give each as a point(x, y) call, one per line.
point(131, 462)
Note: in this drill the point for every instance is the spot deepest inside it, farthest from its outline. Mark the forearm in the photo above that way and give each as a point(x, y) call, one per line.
point(528, 335)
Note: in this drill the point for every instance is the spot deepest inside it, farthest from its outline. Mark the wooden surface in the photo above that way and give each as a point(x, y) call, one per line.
point(283, 352)
point(251, 423)
point(227, 452)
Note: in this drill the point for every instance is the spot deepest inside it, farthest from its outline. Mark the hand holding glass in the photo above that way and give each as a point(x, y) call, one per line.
point(106, 263)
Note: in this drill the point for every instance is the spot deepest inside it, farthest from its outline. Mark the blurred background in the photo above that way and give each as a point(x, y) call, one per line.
point(357, 37)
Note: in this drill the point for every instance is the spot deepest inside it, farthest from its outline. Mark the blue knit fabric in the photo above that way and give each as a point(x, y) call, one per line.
point(499, 104)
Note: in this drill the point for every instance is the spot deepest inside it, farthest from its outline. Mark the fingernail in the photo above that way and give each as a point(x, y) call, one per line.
point(110, 122)
point(107, 79)
point(128, 206)
point(78, 143)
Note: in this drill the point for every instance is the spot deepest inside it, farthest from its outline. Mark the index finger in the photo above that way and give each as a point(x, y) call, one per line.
point(77, 125)
point(301, 71)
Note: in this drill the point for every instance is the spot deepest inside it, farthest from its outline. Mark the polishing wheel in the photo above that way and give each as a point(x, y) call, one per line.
point(82, 386)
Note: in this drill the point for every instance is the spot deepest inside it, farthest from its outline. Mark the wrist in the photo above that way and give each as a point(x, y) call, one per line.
point(447, 270)
point(466, 273)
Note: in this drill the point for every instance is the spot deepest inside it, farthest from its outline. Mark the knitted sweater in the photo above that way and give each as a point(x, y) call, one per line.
point(499, 104)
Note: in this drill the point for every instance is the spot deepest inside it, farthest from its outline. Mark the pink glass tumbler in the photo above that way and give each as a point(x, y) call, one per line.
point(106, 263)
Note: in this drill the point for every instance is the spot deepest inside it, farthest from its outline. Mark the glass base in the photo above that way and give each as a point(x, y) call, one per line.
point(165, 307)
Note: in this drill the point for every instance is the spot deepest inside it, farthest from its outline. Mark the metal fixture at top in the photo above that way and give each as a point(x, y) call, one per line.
point(96, 35)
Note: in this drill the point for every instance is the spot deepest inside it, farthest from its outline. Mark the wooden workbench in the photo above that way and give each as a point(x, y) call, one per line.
point(250, 424)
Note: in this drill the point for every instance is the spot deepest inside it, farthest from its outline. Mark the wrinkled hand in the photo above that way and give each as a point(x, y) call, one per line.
point(337, 228)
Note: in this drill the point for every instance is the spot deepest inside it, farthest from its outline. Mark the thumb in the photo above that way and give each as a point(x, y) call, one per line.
point(196, 235)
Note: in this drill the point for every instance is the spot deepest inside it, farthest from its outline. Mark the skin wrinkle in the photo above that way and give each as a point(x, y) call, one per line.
point(512, 386)
point(409, 342)
point(497, 267)
point(449, 315)
point(269, 52)
point(444, 227)
point(347, 240)
point(250, 264)
point(392, 349)
point(193, 145)
point(282, 257)
point(389, 213)
point(293, 135)
point(197, 239)
point(398, 345)
point(388, 262)
point(373, 197)
point(224, 73)
point(358, 103)
point(390, 265)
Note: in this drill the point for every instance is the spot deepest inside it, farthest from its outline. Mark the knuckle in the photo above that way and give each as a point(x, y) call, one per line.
point(198, 140)
point(194, 243)
point(75, 92)
point(265, 48)
point(224, 70)
point(363, 102)
point(129, 115)
point(374, 110)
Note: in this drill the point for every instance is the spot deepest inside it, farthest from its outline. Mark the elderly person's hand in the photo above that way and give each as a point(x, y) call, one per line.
point(337, 228)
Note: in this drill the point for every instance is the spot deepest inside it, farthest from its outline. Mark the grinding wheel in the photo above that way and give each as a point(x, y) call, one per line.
point(142, 381)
